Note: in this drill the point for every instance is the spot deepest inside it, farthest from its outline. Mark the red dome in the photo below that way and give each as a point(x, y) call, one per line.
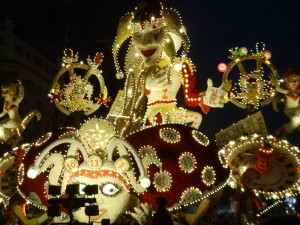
point(190, 169)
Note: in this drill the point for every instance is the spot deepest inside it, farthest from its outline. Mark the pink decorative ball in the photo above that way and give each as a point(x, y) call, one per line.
point(222, 67)
point(267, 54)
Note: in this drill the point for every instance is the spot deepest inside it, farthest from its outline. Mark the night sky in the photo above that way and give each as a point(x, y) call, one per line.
point(213, 27)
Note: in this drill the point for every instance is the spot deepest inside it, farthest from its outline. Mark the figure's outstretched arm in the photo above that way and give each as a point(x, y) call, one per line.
point(281, 90)
point(192, 97)
point(20, 93)
point(276, 83)
point(3, 113)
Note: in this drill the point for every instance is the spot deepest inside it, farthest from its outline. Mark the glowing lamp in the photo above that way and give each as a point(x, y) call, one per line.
point(267, 54)
point(178, 67)
point(222, 67)
point(33, 172)
point(145, 182)
point(242, 51)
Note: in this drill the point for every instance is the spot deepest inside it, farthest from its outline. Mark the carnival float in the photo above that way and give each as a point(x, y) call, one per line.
point(114, 169)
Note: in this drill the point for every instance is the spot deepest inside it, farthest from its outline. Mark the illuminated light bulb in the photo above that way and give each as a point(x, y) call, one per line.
point(33, 172)
point(181, 30)
point(274, 196)
point(145, 182)
point(136, 54)
point(168, 40)
point(128, 27)
point(232, 183)
point(63, 64)
point(152, 18)
point(178, 67)
point(244, 168)
point(231, 142)
point(81, 62)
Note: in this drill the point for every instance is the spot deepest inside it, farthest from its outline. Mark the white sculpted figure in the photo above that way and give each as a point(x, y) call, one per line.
point(155, 72)
point(13, 126)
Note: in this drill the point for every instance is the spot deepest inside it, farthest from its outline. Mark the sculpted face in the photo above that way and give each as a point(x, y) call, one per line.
point(148, 41)
point(293, 82)
point(113, 195)
point(7, 94)
point(78, 93)
point(251, 88)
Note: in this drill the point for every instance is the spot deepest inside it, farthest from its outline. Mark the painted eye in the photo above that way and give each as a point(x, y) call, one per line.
point(110, 189)
point(138, 34)
point(155, 32)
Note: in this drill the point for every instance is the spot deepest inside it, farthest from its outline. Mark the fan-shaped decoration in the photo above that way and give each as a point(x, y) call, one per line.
point(279, 172)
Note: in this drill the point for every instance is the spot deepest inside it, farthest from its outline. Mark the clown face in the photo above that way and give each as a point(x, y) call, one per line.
point(113, 196)
point(148, 41)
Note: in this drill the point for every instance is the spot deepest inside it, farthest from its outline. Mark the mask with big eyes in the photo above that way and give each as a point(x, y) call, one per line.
point(112, 198)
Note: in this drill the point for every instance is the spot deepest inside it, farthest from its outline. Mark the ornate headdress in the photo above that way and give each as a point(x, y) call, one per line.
point(151, 12)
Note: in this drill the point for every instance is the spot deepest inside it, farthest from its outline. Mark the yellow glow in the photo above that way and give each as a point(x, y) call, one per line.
point(178, 67)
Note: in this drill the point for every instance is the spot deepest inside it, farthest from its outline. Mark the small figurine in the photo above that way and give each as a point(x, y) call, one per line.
point(11, 129)
point(291, 101)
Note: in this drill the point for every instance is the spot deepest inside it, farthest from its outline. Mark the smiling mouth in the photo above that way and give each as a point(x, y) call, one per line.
point(148, 53)
point(101, 212)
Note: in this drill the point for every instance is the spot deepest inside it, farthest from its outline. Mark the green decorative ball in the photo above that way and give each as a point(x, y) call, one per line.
point(242, 51)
